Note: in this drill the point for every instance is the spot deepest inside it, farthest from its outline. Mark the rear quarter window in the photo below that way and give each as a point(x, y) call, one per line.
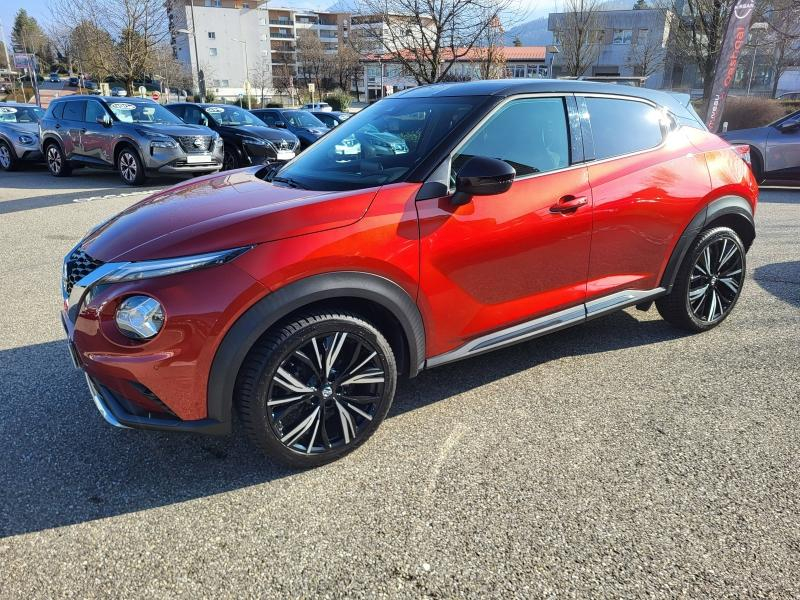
point(623, 126)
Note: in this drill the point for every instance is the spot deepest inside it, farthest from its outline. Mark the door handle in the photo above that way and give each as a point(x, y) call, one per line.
point(58, 125)
point(568, 204)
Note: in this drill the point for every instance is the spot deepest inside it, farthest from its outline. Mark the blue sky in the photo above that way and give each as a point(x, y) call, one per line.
point(8, 9)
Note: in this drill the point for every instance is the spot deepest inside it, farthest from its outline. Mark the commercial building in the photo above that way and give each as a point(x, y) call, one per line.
point(627, 43)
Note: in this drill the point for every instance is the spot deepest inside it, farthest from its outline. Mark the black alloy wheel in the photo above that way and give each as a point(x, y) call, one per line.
point(317, 388)
point(708, 283)
point(229, 160)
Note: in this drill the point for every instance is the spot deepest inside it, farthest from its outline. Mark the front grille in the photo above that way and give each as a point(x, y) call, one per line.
point(77, 266)
point(194, 144)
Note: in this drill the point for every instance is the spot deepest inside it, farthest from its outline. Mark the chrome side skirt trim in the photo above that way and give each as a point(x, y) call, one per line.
point(544, 325)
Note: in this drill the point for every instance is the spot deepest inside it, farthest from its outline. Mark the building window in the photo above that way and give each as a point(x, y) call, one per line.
point(622, 36)
point(224, 83)
point(212, 52)
point(212, 35)
point(643, 33)
point(245, 5)
point(213, 3)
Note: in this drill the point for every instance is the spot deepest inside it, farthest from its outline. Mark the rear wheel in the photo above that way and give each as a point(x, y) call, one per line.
point(8, 160)
point(56, 162)
point(317, 388)
point(130, 167)
point(708, 283)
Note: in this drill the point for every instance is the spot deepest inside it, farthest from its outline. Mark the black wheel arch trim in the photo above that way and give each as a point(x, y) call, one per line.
point(251, 325)
point(713, 211)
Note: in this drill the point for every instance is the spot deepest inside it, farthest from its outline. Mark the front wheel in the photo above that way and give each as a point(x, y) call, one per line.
point(315, 389)
point(8, 160)
point(56, 162)
point(130, 167)
point(708, 283)
point(230, 160)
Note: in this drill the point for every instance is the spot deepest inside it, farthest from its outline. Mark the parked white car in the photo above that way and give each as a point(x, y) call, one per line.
point(322, 106)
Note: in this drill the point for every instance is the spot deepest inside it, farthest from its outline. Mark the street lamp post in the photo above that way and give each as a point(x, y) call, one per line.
point(200, 83)
point(552, 51)
point(246, 84)
point(754, 27)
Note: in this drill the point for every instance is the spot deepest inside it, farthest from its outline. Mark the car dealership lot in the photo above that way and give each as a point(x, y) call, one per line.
point(621, 456)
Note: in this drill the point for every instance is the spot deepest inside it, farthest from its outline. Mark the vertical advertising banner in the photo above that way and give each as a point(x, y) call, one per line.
point(732, 44)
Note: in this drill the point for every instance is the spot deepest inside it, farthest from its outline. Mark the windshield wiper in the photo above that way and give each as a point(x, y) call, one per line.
point(292, 183)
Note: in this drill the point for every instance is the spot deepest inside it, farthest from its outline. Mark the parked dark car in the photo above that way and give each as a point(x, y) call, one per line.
point(54, 78)
point(19, 135)
point(300, 294)
point(331, 119)
point(302, 123)
point(91, 87)
point(73, 82)
point(247, 138)
point(135, 136)
point(774, 148)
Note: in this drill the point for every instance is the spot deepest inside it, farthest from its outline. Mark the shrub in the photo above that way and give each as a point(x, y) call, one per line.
point(242, 102)
point(742, 112)
point(274, 104)
point(338, 99)
point(210, 95)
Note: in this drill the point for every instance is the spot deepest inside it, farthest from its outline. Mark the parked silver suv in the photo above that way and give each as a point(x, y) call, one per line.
point(134, 136)
point(19, 135)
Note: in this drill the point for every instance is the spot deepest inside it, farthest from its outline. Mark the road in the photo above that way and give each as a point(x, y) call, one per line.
point(620, 458)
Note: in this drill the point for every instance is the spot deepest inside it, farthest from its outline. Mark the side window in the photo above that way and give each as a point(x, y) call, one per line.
point(74, 111)
point(178, 111)
point(56, 110)
point(623, 126)
point(529, 134)
point(194, 116)
point(268, 118)
point(94, 111)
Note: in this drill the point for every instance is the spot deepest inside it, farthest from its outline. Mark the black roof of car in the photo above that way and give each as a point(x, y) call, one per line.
point(677, 103)
point(128, 99)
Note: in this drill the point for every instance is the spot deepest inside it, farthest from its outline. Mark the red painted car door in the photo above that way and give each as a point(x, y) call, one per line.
point(505, 259)
point(647, 185)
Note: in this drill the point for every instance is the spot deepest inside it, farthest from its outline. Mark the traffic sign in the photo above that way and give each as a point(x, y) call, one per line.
point(155, 96)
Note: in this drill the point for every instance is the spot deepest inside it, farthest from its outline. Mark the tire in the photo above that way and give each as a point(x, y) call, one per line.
point(8, 158)
point(56, 162)
point(298, 407)
point(130, 167)
point(709, 281)
point(230, 160)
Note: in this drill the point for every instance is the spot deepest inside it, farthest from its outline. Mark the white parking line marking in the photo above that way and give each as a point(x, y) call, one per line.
point(120, 195)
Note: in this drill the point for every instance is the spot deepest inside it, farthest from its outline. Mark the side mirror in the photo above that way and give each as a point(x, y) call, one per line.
point(789, 126)
point(105, 121)
point(482, 176)
point(280, 124)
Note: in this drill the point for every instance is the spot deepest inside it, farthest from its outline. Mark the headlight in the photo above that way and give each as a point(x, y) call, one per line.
point(163, 141)
point(140, 317)
point(253, 141)
point(217, 142)
point(169, 266)
point(26, 140)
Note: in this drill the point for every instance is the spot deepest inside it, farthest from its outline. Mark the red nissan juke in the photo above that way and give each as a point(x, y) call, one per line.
point(438, 224)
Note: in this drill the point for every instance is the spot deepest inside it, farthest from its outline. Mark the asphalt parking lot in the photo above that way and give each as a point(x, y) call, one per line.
point(620, 458)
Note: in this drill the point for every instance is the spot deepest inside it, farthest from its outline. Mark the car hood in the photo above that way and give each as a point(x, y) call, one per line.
point(267, 133)
point(20, 128)
point(173, 129)
point(750, 133)
point(218, 212)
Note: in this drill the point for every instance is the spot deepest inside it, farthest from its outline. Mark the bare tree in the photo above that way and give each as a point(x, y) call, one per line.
point(646, 56)
point(427, 37)
point(313, 64)
point(576, 36)
point(172, 72)
point(698, 27)
point(261, 76)
point(136, 28)
point(783, 36)
point(489, 53)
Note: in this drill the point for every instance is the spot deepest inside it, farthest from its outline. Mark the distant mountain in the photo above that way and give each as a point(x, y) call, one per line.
point(532, 33)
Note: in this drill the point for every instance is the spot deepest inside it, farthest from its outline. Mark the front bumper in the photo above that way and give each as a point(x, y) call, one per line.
point(160, 384)
point(176, 161)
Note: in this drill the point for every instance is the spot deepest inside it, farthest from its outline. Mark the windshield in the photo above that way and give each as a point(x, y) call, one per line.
point(142, 112)
point(232, 115)
point(379, 145)
point(20, 114)
point(301, 118)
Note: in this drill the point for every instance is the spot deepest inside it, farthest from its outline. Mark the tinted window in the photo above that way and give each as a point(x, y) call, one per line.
point(623, 126)
point(176, 110)
point(301, 118)
point(268, 117)
point(73, 111)
point(530, 135)
point(194, 116)
point(94, 111)
point(56, 110)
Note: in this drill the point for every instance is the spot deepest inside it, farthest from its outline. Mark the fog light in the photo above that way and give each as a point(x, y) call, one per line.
point(140, 317)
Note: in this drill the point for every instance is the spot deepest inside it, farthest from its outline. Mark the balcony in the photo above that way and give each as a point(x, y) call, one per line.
point(287, 22)
point(281, 36)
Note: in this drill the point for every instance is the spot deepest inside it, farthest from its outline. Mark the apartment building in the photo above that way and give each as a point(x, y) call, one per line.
point(627, 43)
point(235, 44)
